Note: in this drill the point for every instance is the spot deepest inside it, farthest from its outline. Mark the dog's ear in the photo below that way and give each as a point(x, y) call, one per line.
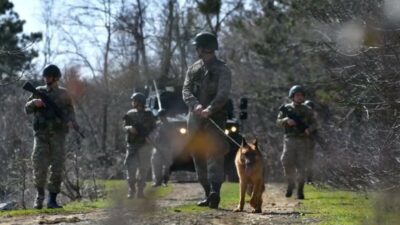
point(244, 143)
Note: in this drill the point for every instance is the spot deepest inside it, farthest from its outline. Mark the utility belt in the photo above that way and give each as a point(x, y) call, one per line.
point(49, 125)
point(296, 135)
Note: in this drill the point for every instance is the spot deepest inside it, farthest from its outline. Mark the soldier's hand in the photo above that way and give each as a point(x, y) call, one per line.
point(198, 109)
point(307, 131)
point(38, 103)
point(133, 130)
point(291, 122)
point(205, 113)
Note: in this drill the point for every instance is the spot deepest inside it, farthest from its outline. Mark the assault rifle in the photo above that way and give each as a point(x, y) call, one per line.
point(301, 125)
point(292, 115)
point(51, 105)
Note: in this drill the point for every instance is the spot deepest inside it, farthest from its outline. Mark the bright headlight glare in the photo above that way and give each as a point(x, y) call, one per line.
point(226, 131)
point(183, 130)
point(233, 129)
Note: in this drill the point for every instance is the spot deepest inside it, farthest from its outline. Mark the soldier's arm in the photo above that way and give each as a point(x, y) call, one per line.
point(224, 89)
point(187, 91)
point(312, 122)
point(126, 123)
point(30, 105)
point(69, 107)
point(281, 121)
point(150, 124)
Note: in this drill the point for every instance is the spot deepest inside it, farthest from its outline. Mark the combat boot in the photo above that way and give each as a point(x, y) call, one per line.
point(165, 180)
point(289, 190)
point(204, 202)
point(52, 201)
point(300, 190)
point(38, 204)
point(214, 198)
point(156, 184)
point(140, 193)
point(131, 191)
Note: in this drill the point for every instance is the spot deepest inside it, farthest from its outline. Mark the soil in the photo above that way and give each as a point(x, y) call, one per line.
point(276, 210)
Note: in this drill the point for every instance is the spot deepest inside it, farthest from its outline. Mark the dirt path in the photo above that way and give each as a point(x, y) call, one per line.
point(276, 210)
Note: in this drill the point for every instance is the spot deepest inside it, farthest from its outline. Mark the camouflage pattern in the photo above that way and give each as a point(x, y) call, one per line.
point(296, 144)
point(49, 138)
point(137, 159)
point(311, 150)
point(310, 158)
point(209, 85)
point(162, 157)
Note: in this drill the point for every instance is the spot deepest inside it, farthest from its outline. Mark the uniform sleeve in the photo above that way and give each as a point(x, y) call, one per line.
point(69, 107)
point(187, 91)
point(224, 89)
point(313, 124)
point(126, 121)
point(281, 120)
point(29, 106)
point(150, 124)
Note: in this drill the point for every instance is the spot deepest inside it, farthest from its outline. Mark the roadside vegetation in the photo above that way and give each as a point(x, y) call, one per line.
point(114, 192)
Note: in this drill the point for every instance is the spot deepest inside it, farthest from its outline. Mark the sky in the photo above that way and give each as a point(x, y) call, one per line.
point(30, 12)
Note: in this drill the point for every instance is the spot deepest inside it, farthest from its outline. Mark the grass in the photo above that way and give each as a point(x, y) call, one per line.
point(115, 193)
point(336, 207)
point(330, 206)
point(229, 196)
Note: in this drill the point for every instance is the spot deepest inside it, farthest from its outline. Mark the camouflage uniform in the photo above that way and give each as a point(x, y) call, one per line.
point(49, 138)
point(296, 144)
point(209, 85)
point(161, 159)
point(311, 151)
point(137, 159)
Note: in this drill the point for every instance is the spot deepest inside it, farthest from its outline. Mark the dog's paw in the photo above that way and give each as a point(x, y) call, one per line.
point(238, 209)
point(256, 211)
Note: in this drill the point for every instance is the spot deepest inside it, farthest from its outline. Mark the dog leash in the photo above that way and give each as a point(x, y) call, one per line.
point(220, 129)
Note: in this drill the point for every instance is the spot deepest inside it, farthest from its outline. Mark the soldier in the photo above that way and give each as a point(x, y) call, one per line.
point(206, 91)
point(138, 123)
point(311, 151)
point(161, 159)
point(299, 122)
point(49, 136)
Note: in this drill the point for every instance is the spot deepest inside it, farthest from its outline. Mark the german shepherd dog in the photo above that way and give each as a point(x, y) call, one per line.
point(250, 168)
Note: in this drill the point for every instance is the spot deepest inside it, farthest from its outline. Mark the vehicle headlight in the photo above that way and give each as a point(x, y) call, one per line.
point(183, 130)
point(226, 131)
point(233, 129)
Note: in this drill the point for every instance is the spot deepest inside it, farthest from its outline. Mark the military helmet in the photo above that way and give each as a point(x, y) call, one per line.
point(206, 40)
point(162, 112)
point(51, 70)
point(139, 97)
point(296, 89)
point(310, 104)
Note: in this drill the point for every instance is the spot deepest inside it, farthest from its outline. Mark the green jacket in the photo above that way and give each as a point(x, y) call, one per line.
point(209, 85)
point(304, 112)
point(143, 121)
point(45, 120)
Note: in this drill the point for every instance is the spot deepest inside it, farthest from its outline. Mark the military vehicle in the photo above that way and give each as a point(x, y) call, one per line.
point(170, 98)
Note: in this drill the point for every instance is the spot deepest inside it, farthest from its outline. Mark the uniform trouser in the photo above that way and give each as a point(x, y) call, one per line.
point(209, 170)
point(294, 158)
point(161, 161)
point(209, 148)
point(310, 158)
point(137, 162)
point(48, 154)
